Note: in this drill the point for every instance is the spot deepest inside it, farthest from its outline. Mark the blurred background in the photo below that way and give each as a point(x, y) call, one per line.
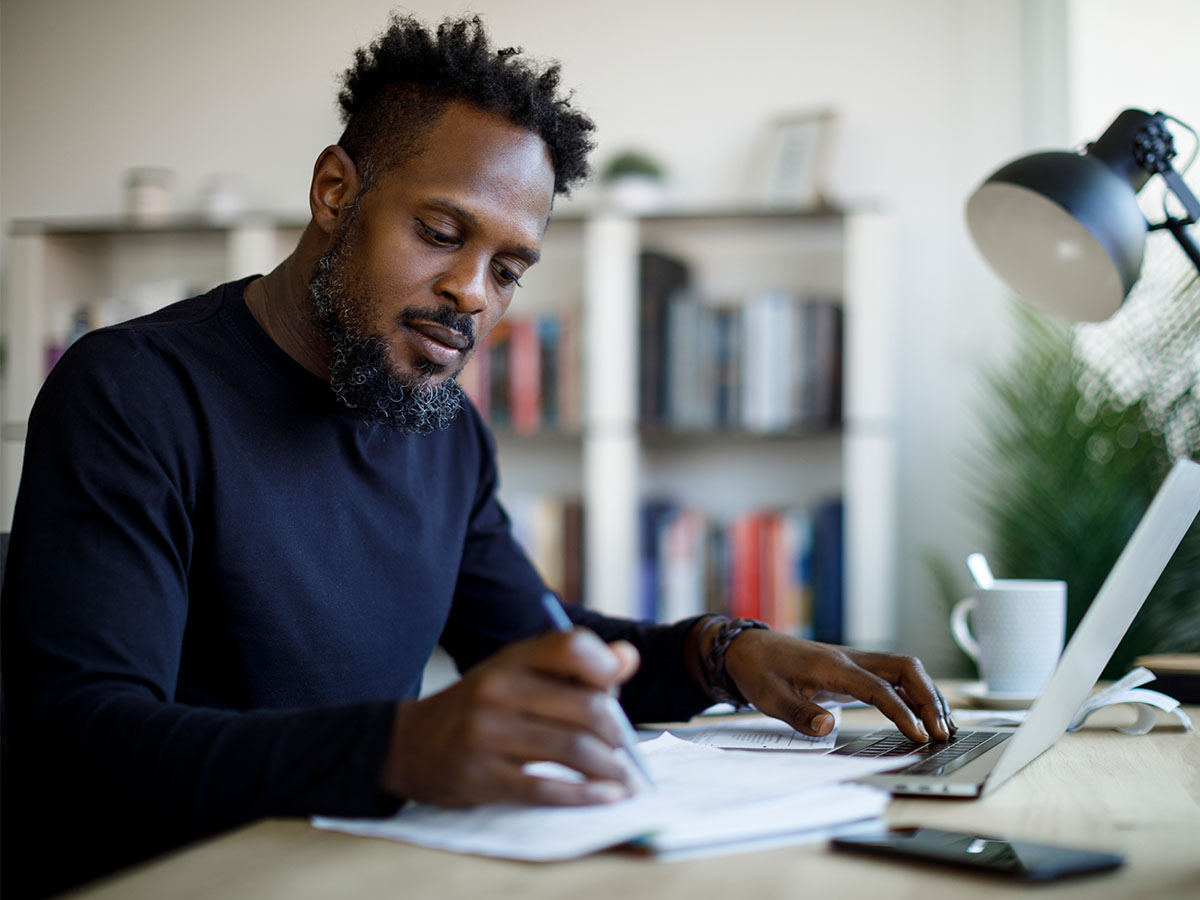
point(928, 96)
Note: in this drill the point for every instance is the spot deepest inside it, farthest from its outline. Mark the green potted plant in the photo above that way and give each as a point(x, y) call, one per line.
point(634, 181)
point(1074, 450)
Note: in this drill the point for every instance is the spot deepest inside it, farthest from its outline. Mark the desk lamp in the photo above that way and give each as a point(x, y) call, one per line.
point(1064, 229)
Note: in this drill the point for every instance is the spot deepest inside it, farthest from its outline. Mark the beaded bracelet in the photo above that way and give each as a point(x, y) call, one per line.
point(720, 685)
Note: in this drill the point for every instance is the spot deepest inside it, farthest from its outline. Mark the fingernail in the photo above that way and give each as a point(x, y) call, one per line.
point(944, 726)
point(607, 791)
point(921, 731)
point(822, 724)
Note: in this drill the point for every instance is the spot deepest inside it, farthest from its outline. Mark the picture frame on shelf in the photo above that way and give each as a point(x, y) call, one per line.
point(791, 166)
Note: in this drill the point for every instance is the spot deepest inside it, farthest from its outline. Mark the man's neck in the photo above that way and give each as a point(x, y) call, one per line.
point(280, 304)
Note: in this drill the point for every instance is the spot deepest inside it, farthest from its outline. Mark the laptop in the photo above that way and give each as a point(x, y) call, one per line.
point(975, 763)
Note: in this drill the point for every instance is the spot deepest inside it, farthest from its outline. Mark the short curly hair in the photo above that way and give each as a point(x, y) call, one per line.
point(401, 83)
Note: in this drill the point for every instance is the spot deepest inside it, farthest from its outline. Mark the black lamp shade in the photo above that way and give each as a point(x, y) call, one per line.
point(1064, 230)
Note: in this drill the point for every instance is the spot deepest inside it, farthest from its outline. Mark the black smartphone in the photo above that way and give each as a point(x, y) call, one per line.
point(1020, 860)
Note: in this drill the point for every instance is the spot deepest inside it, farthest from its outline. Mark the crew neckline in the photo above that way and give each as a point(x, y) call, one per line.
point(238, 314)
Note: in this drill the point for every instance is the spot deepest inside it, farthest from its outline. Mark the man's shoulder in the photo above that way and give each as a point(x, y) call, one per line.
point(183, 321)
point(139, 356)
point(183, 314)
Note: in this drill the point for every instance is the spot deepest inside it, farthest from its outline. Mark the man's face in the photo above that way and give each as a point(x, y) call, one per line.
point(427, 263)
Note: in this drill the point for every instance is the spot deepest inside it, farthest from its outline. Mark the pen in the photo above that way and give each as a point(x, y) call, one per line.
point(629, 740)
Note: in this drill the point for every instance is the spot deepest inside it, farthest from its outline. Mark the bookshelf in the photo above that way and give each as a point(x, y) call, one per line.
point(733, 255)
point(607, 457)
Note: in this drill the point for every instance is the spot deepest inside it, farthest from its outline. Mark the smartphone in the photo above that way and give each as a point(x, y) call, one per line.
point(1019, 860)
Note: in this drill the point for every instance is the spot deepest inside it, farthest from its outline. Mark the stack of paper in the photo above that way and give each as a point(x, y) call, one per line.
point(705, 799)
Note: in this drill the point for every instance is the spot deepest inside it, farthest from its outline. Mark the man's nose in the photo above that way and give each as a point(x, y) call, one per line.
point(464, 283)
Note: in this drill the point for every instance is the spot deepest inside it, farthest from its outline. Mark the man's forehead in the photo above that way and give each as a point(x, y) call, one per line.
point(485, 166)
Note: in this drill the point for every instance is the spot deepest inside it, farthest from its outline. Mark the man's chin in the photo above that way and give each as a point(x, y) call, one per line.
point(412, 406)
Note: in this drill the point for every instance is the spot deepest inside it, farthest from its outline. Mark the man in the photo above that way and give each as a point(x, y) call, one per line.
point(245, 521)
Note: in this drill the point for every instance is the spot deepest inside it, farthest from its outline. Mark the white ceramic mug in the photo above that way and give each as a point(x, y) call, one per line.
point(1016, 634)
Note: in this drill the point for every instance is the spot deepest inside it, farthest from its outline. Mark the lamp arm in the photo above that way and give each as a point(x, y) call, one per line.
point(1179, 227)
point(1181, 190)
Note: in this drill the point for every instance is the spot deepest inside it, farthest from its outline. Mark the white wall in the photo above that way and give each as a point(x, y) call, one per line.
point(930, 93)
point(1142, 55)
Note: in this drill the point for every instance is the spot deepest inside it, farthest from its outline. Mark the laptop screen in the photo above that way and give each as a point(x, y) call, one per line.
point(1134, 574)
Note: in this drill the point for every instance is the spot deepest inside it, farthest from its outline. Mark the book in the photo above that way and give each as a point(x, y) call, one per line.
point(717, 589)
point(650, 515)
point(524, 376)
point(824, 370)
point(688, 403)
point(573, 552)
point(726, 367)
point(828, 572)
point(473, 379)
point(745, 567)
point(660, 276)
point(549, 342)
point(681, 571)
point(766, 351)
point(569, 371)
point(498, 404)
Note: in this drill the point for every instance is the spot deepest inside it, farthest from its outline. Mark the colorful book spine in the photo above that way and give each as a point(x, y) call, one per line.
point(524, 376)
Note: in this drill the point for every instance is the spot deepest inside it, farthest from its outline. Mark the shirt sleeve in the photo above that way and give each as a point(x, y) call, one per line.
point(498, 600)
point(94, 612)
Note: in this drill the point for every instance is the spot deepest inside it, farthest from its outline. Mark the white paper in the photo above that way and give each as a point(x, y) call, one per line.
point(827, 699)
point(704, 797)
point(757, 733)
point(1125, 690)
point(1144, 703)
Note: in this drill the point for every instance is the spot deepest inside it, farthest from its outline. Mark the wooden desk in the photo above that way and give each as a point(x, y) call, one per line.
point(1097, 788)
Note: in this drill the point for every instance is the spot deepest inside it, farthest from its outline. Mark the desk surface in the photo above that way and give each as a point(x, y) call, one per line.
point(1097, 788)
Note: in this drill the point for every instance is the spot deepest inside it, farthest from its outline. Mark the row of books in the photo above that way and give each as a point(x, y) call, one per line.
point(782, 566)
point(770, 362)
point(525, 377)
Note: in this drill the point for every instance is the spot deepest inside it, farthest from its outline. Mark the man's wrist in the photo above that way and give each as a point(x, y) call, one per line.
point(714, 637)
point(699, 639)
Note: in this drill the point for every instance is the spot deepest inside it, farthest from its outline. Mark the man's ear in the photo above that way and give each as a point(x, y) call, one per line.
point(335, 185)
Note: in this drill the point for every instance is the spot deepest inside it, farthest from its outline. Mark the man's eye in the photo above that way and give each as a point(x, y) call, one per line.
point(505, 276)
point(436, 237)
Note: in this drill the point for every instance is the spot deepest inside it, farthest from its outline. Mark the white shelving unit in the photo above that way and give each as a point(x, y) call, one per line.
point(733, 254)
point(590, 261)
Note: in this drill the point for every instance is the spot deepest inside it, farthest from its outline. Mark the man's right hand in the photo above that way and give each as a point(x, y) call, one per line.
point(545, 698)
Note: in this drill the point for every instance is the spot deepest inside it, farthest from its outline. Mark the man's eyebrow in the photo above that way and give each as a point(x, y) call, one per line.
point(528, 254)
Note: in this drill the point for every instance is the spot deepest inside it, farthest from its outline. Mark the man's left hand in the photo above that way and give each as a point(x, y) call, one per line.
point(780, 675)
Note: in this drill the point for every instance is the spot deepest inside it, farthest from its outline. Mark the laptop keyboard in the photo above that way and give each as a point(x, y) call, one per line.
point(937, 757)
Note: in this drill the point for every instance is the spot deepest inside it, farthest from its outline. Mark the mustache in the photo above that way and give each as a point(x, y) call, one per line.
point(441, 315)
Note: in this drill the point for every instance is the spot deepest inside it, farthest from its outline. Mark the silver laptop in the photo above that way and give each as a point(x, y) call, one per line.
point(975, 763)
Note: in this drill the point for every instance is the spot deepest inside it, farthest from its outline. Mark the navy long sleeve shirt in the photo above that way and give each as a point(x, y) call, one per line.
point(220, 582)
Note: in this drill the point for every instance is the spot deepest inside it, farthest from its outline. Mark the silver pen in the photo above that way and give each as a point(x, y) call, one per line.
point(629, 741)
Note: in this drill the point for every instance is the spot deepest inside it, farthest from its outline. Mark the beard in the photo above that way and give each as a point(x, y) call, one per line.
point(361, 372)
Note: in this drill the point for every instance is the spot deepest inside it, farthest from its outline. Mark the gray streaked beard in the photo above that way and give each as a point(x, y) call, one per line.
point(360, 372)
